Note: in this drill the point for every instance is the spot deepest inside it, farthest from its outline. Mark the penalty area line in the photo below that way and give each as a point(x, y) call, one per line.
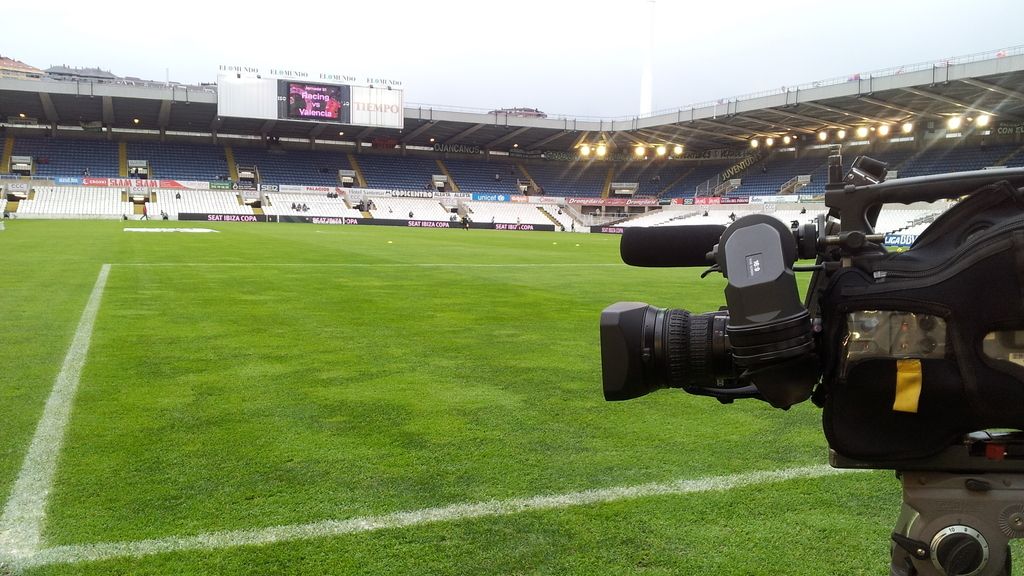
point(21, 524)
point(73, 554)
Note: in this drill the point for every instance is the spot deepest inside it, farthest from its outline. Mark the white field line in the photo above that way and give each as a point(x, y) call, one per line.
point(367, 265)
point(72, 554)
point(22, 522)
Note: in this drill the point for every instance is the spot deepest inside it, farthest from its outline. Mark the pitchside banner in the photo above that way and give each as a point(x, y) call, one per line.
point(306, 97)
point(613, 201)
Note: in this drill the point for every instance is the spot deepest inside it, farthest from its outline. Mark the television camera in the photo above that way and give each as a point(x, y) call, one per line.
point(916, 358)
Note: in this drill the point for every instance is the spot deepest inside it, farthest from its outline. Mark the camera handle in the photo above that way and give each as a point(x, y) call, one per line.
point(961, 507)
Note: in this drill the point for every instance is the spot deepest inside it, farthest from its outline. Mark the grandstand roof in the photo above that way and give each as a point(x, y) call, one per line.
point(984, 83)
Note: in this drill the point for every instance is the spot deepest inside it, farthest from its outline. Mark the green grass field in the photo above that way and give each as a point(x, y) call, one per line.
point(286, 375)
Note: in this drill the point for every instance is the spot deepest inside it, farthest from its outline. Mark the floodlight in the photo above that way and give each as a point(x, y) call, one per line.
point(678, 150)
point(983, 120)
point(639, 150)
point(786, 140)
point(602, 150)
point(754, 143)
point(953, 123)
point(769, 141)
point(841, 134)
point(585, 150)
point(822, 135)
point(661, 150)
point(907, 127)
point(862, 132)
point(883, 130)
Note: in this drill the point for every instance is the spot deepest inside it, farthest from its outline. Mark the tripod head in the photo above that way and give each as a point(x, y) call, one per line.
point(961, 507)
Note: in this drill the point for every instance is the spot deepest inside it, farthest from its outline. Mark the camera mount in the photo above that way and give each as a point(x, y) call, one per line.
point(961, 507)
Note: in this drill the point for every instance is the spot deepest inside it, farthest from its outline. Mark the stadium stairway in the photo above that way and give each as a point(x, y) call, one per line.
point(558, 225)
point(229, 155)
point(671, 184)
point(526, 175)
point(5, 160)
point(360, 180)
point(606, 191)
point(1004, 161)
point(444, 170)
point(122, 159)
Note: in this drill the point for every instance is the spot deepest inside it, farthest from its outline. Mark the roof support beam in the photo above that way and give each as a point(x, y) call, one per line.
point(847, 113)
point(994, 88)
point(108, 110)
point(947, 100)
point(48, 108)
point(216, 124)
point(456, 138)
point(770, 124)
point(164, 119)
point(676, 137)
point(684, 126)
point(362, 135)
point(267, 127)
point(544, 141)
point(891, 106)
point(582, 138)
point(811, 119)
point(316, 131)
point(506, 137)
point(419, 130)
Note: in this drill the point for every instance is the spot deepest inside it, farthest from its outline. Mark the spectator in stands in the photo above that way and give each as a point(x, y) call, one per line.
point(410, 214)
point(85, 172)
point(177, 196)
point(497, 177)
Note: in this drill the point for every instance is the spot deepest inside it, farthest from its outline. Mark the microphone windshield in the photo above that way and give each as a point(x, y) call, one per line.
point(669, 246)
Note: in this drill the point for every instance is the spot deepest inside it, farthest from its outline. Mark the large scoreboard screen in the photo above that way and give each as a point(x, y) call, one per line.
point(251, 95)
point(317, 102)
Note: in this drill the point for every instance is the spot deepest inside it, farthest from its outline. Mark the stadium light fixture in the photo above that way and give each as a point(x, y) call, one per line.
point(907, 127)
point(678, 150)
point(954, 122)
point(822, 136)
point(135, 120)
point(639, 150)
point(431, 140)
point(787, 140)
point(661, 150)
point(515, 145)
point(341, 133)
point(21, 115)
point(862, 132)
point(585, 150)
point(602, 150)
point(769, 141)
point(840, 134)
point(754, 143)
point(983, 120)
point(883, 130)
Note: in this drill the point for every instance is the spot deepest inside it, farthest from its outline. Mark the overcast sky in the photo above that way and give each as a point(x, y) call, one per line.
point(574, 57)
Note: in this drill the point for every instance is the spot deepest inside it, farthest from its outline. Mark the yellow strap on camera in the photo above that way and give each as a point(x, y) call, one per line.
point(908, 386)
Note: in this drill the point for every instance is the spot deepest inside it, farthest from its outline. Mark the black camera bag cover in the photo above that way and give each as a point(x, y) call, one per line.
point(966, 267)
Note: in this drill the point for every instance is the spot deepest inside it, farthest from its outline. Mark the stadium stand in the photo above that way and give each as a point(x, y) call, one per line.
point(197, 202)
point(479, 177)
point(687, 185)
point(74, 202)
point(203, 162)
point(507, 213)
point(767, 176)
point(67, 157)
point(570, 179)
point(401, 208)
point(397, 172)
point(304, 167)
point(281, 204)
point(652, 178)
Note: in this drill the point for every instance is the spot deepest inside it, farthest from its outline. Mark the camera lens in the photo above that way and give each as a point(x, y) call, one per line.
point(645, 348)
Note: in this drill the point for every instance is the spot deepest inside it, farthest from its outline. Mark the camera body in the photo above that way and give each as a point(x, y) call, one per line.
point(897, 349)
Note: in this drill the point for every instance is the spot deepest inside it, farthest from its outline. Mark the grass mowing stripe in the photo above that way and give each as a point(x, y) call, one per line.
point(74, 554)
point(22, 522)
